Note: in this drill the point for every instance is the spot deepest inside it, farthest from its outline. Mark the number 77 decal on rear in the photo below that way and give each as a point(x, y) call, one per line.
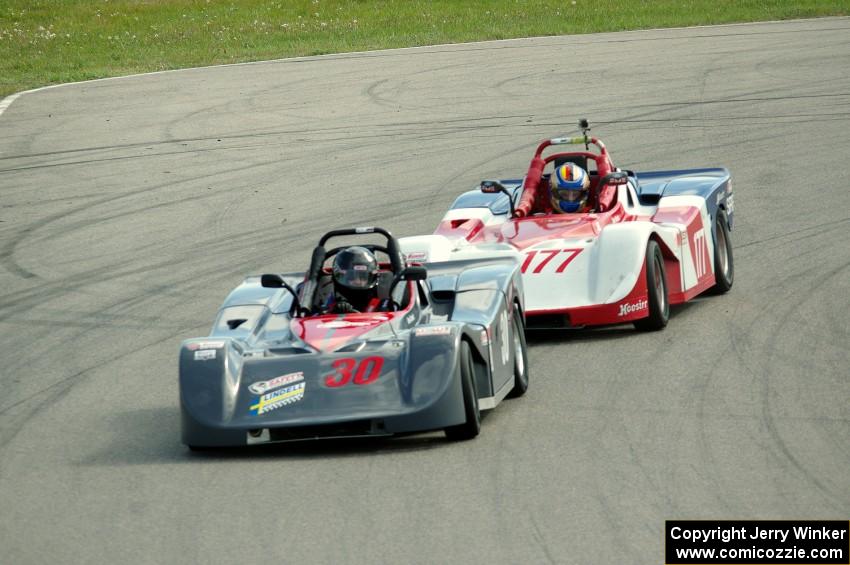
point(540, 259)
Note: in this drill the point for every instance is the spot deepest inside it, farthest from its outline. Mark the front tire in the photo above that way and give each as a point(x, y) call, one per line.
point(656, 286)
point(472, 426)
point(724, 267)
point(520, 356)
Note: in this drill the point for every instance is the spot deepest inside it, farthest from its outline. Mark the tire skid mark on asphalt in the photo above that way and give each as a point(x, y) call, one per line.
point(774, 65)
point(199, 277)
point(23, 300)
point(767, 414)
point(400, 83)
point(98, 320)
point(706, 441)
point(836, 335)
point(225, 107)
point(446, 182)
point(750, 97)
point(610, 397)
point(660, 484)
point(540, 540)
point(7, 251)
point(196, 278)
point(200, 198)
point(380, 129)
point(824, 227)
point(379, 135)
point(58, 389)
point(499, 86)
point(140, 156)
point(761, 373)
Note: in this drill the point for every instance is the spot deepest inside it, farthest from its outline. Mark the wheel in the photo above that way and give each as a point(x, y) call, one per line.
point(656, 285)
point(520, 356)
point(724, 267)
point(472, 426)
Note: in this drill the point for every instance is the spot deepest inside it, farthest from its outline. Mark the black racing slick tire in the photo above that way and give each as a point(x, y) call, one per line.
point(520, 356)
point(656, 285)
point(472, 426)
point(724, 266)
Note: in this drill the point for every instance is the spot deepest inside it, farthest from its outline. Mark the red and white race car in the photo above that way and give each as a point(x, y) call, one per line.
point(651, 240)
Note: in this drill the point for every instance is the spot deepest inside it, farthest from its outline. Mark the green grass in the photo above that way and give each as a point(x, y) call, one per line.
point(51, 41)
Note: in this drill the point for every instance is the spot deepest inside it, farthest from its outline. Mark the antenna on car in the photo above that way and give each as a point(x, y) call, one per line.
point(585, 127)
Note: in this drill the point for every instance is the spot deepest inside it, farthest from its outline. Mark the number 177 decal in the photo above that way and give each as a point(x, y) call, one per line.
point(540, 258)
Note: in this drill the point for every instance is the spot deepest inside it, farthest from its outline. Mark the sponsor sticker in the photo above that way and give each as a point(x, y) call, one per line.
point(262, 387)
point(335, 324)
point(433, 330)
point(416, 257)
point(278, 398)
point(205, 345)
point(503, 330)
point(204, 354)
point(626, 309)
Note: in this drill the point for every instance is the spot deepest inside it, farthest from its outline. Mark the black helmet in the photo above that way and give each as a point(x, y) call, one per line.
point(356, 268)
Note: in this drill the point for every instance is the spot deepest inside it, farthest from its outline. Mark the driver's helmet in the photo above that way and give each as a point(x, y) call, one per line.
point(355, 268)
point(568, 187)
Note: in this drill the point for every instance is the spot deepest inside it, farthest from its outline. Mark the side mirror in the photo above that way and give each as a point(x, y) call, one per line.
point(271, 281)
point(415, 273)
point(276, 281)
point(494, 187)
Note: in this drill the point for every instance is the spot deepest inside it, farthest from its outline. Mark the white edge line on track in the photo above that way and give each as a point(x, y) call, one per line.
point(6, 102)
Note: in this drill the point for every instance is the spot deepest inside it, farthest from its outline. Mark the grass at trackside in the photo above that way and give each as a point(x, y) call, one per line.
point(50, 41)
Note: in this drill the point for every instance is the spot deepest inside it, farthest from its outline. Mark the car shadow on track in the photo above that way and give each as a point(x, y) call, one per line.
point(152, 436)
point(557, 335)
point(620, 331)
point(327, 448)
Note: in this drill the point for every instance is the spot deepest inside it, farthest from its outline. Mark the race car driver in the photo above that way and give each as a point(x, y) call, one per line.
point(355, 279)
point(568, 189)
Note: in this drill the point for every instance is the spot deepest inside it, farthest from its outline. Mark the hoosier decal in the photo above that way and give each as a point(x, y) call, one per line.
point(626, 309)
point(276, 399)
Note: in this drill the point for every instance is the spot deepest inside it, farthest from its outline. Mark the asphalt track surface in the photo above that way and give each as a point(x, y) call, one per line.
point(129, 208)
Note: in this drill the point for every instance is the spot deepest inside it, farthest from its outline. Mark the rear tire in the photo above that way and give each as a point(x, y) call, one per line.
point(520, 356)
point(724, 266)
point(656, 286)
point(472, 426)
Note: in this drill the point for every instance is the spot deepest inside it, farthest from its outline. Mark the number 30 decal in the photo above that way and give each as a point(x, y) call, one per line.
point(548, 255)
point(368, 370)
